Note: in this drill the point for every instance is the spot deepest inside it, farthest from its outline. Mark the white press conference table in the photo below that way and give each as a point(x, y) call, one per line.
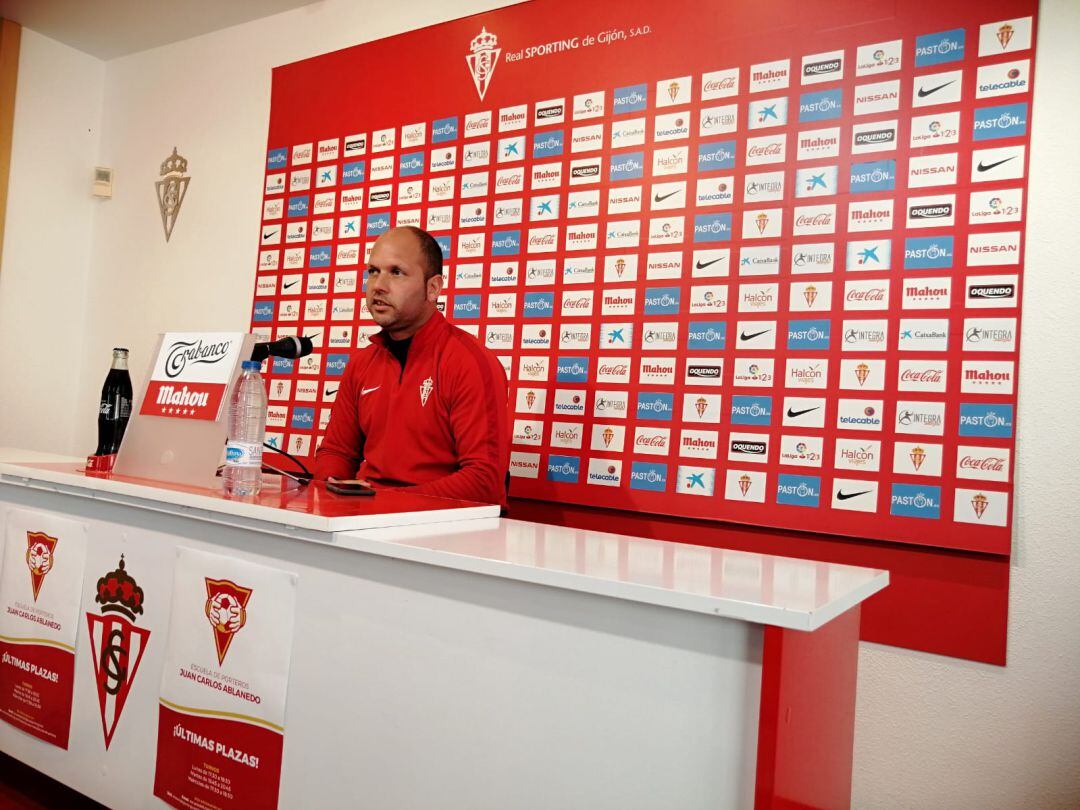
point(445, 657)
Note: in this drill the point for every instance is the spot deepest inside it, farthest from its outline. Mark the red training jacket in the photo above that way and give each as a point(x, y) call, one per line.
point(440, 425)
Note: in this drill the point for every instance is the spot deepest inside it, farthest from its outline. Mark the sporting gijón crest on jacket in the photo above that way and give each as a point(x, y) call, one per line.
point(439, 424)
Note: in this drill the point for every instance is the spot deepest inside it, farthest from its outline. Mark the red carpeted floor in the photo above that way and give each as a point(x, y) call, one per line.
point(23, 788)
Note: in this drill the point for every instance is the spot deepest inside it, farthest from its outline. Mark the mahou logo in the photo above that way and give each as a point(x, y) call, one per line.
point(482, 60)
point(40, 549)
point(116, 644)
point(226, 610)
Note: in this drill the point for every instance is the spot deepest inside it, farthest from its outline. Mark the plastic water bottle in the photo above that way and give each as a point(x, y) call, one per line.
point(247, 429)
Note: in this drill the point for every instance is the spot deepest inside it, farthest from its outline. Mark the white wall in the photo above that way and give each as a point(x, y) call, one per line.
point(931, 731)
point(934, 732)
point(210, 97)
point(47, 245)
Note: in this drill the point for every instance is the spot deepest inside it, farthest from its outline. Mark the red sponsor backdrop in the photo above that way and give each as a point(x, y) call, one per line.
point(953, 603)
point(905, 140)
point(36, 686)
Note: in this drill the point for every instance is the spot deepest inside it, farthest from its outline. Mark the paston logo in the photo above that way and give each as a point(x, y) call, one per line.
point(116, 644)
point(226, 610)
point(482, 60)
point(40, 551)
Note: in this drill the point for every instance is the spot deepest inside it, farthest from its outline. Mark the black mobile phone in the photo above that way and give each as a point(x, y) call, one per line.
point(349, 488)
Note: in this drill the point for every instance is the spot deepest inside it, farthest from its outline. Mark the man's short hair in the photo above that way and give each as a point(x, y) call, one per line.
point(429, 249)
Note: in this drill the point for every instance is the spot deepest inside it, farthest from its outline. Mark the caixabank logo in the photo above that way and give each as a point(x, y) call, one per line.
point(116, 643)
point(226, 610)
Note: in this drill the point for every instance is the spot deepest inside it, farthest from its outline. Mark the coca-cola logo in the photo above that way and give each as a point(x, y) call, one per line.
point(183, 352)
point(647, 440)
point(816, 219)
point(875, 294)
point(928, 375)
point(987, 464)
point(769, 149)
point(716, 85)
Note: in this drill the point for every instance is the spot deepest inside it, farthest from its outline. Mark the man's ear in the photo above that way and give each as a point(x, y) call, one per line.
point(434, 287)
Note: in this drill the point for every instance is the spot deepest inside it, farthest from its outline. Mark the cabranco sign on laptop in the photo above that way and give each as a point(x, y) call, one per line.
point(191, 374)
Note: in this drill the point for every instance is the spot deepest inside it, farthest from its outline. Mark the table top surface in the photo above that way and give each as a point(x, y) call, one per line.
point(311, 507)
point(760, 588)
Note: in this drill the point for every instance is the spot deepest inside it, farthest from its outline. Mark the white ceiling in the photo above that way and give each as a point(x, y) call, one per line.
point(111, 28)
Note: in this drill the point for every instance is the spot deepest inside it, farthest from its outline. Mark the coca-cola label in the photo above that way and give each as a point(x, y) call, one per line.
point(720, 84)
point(766, 149)
point(814, 219)
point(922, 375)
point(983, 463)
point(868, 294)
point(652, 441)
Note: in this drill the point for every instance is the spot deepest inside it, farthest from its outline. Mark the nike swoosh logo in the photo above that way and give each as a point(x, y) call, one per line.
point(744, 336)
point(793, 413)
point(330, 393)
point(658, 198)
point(367, 391)
point(703, 265)
point(985, 167)
point(268, 235)
point(843, 496)
point(290, 284)
point(923, 92)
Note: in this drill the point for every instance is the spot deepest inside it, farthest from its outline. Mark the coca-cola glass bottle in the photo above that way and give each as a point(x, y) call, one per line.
point(115, 408)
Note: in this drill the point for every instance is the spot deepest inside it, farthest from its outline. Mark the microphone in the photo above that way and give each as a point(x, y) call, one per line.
point(288, 347)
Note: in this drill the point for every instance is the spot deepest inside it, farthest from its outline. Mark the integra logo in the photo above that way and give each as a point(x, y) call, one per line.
point(976, 334)
point(821, 68)
point(943, 210)
point(183, 352)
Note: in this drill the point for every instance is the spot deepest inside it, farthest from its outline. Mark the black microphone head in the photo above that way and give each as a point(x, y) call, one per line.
point(290, 347)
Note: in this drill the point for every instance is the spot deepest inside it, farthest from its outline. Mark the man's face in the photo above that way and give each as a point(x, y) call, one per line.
point(399, 298)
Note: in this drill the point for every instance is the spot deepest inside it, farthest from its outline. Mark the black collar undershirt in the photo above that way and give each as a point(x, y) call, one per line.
point(398, 348)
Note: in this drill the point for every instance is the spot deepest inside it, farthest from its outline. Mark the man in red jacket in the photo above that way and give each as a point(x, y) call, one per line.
point(424, 406)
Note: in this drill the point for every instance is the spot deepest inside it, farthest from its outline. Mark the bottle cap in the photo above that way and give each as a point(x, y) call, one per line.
point(251, 365)
point(119, 349)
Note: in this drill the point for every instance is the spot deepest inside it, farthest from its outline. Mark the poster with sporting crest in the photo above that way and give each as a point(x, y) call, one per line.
point(751, 262)
point(221, 718)
point(40, 592)
point(116, 623)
